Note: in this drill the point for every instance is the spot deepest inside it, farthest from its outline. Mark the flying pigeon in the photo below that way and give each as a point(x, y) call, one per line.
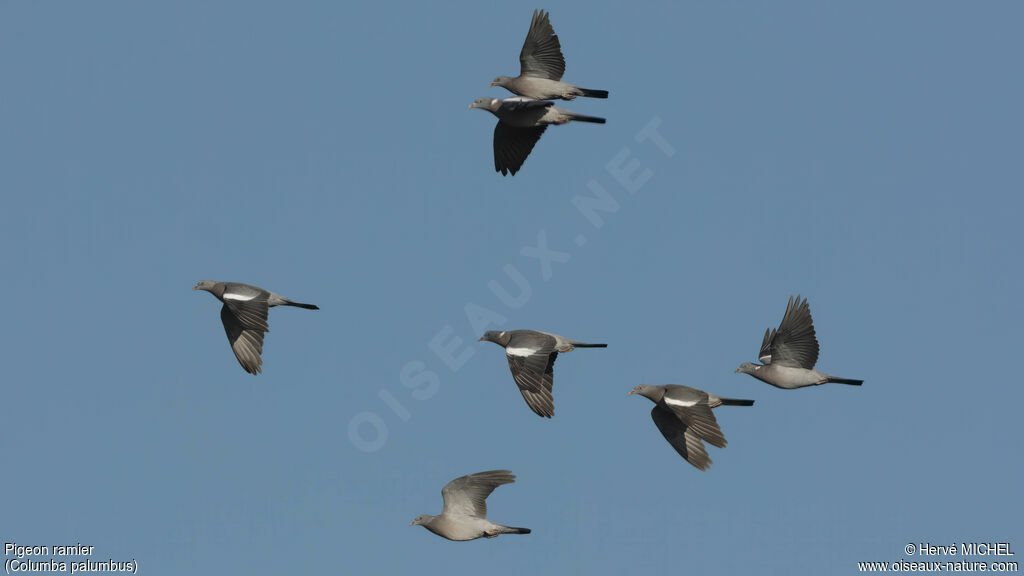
point(245, 317)
point(531, 358)
point(542, 65)
point(789, 352)
point(521, 121)
point(465, 508)
point(684, 416)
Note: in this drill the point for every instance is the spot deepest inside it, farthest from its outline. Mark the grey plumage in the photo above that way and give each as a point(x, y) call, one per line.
point(531, 358)
point(789, 352)
point(684, 417)
point(464, 516)
point(542, 66)
point(244, 316)
point(521, 122)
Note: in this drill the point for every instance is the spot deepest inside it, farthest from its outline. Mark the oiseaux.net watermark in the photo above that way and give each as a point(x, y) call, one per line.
point(626, 171)
point(952, 557)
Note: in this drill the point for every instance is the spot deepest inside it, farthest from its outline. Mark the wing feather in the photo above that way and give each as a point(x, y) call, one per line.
point(512, 146)
point(794, 343)
point(467, 495)
point(686, 443)
point(535, 375)
point(541, 56)
point(245, 337)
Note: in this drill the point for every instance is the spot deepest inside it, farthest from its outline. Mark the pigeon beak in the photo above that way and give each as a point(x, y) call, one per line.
point(480, 339)
point(413, 523)
point(736, 371)
point(631, 392)
point(493, 85)
point(195, 287)
point(470, 106)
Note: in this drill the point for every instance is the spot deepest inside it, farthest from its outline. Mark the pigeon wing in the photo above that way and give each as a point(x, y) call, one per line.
point(699, 420)
point(512, 145)
point(245, 333)
point(794, 343)
point(535, 374)
point(765, 356)
point(541, 56)
point(467, 495)
point(687, 444)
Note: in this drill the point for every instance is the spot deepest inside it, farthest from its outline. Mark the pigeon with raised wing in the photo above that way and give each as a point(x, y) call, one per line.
point(789, 353)
point(464, 516)
point(542, 65)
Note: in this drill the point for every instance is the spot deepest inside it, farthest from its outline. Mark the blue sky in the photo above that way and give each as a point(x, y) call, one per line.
point(866, 156)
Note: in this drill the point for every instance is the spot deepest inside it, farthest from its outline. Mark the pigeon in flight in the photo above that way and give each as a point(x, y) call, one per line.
point(542, 65)
point(521, 121)
point(245, 317)
point(684, 416)
point(465, 508)
point(531, 358)
point(789, 352)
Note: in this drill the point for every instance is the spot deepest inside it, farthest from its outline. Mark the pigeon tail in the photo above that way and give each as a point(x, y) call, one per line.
point(514, 530)
point(301, 305)
point(594, 93)
point(834, 380)
point(585, 345)
point(582, 118)
point(736, 402)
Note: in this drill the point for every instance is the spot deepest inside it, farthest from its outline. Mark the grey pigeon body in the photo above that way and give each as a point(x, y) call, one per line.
point(790, 352)
point(244, 316)
point(684, 417)
point(541, 66)
point(521, 122)
point(531, 357)
point(464, 516)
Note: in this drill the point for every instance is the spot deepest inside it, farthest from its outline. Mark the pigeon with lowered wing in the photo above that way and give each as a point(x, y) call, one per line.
point(521, 122)
point(684, 417)
point(531, 358)
point(244, 316)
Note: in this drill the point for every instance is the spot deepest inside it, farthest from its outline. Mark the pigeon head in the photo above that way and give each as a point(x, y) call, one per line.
point(501, 81)
point(204, 285)
point(421, 520)
point(499, 338)
point(654, 393)
point(748, 368)
point(485, 103)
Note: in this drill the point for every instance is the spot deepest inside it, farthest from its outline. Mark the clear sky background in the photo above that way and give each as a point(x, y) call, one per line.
point(865, 155)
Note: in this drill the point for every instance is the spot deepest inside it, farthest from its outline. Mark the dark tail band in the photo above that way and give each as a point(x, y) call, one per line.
point(585, 345)
point(736, 402)
point(593, 119)
point(845, 381)
point(594, 93)
point(301, 305)
point(515, 530)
